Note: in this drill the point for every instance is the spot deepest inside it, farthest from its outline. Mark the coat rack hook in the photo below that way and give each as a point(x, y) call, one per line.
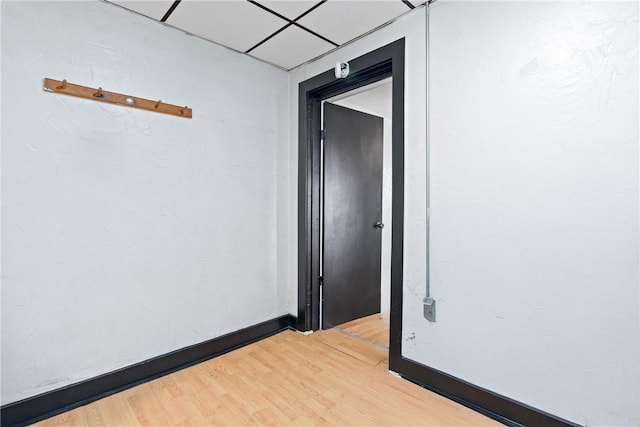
point(63, 87)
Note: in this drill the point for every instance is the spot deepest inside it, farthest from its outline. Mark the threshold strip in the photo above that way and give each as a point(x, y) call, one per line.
point(351, 334)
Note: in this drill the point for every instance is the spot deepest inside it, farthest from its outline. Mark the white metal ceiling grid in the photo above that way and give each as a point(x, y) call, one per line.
point(285, 33)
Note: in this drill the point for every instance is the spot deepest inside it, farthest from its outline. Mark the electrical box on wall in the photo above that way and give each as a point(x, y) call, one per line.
point(429, 309)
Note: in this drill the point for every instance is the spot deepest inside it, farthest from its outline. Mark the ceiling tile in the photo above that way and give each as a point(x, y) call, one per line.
point(291, 47)
point(236, 24)
point(152, 9)
point(289, 8)
point(342, 21)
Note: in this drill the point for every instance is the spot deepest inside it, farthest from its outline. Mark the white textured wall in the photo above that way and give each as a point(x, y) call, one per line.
point(128, 234)
point(412, 27)
point(534, 205)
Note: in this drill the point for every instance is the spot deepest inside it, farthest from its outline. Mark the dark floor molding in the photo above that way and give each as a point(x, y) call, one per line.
point(500, 408)
point(45, 405)
point(42, 406)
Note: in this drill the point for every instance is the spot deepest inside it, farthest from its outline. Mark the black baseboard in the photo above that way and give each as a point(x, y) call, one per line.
point(36, 408)
point(500, 408)
point(47, 404)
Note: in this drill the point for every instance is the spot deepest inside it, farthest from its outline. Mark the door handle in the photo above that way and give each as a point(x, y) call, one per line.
point(379, 225)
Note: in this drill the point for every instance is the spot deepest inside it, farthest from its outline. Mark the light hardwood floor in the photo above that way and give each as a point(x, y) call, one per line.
point(373, 328)
point(326, 378)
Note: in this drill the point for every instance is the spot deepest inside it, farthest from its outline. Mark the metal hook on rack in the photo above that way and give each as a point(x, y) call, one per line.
point(62, 87)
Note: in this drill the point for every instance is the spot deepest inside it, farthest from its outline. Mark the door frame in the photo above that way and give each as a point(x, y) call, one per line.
point(384, 62)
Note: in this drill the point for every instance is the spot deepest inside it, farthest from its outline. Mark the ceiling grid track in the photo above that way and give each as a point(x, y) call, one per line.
point(284, 34)
point(170, 11)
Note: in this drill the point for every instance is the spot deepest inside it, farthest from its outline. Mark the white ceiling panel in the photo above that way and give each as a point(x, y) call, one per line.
point(237, 24)
point(242, 24)
point(341, 21)
point(152, 8)
point(291, 47)
point(289, 8)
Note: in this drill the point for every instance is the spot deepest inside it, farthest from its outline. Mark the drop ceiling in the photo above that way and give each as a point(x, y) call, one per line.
point(285, 33)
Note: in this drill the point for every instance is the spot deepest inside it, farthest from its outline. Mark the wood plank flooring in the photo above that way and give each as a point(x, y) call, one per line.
point(326, 378)
point(373, 328)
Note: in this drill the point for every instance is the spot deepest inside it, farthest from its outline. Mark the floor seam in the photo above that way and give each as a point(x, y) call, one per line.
point(351, 334)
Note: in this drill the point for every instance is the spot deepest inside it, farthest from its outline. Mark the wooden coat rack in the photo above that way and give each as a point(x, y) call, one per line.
point(57, 86)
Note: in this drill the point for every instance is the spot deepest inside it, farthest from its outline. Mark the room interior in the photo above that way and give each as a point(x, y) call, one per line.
point(142, 248)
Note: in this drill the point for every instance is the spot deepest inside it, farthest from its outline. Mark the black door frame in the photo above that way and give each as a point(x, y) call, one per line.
point(387, 61)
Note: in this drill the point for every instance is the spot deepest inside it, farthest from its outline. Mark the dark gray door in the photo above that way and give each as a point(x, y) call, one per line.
point(352, 214)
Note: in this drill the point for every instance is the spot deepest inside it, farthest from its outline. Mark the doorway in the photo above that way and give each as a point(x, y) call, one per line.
point(356, 245)
point(351, 199)
point(378, 65)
